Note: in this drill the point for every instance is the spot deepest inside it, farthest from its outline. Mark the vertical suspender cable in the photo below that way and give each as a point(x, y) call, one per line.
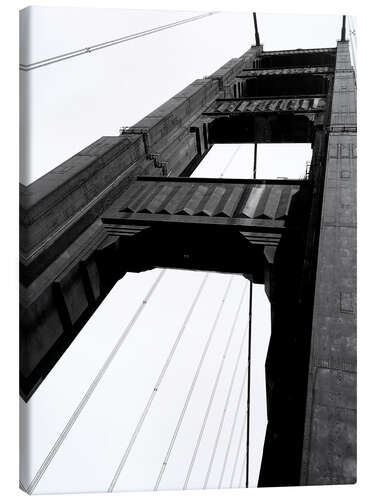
point(238, 450)
point(242, 471)
point(155, 388)
point(192, 386)
point(232, 429)
point(255, 158)
point(224, 410)
point(248, 385)
point(213, 392)
point(38, 476)
point(135, 434)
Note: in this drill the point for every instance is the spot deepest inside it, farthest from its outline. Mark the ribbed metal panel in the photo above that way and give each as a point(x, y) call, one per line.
point(211, 199)
point(235, 106)
point(286, 71)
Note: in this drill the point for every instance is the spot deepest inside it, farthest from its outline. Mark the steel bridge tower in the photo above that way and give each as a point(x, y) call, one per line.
point(127, 203)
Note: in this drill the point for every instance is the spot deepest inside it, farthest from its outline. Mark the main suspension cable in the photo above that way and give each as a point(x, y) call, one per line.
point(156, 387)
point(110, 43)
point(213, 392)
point(192, 386)
point(57, 445)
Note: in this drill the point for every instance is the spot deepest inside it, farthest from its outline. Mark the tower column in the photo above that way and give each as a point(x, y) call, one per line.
point(329, 454)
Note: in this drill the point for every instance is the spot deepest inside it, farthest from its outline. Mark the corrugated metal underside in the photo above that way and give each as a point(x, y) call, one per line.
point(313, 70)
point(234, 106)
point(261, 200)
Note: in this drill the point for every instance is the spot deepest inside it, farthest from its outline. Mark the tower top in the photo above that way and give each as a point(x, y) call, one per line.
point(343, 29)
point(257, 41)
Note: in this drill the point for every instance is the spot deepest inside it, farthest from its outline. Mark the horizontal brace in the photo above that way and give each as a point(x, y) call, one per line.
point(287, 111)
point(274, 97)
point(307, 66)
point(220, 180)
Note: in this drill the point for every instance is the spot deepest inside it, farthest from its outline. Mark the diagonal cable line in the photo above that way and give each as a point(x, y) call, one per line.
point(230, 161)
point(225, 409)
point(110, 43)
point(352, 46)
point(233, 427)
point(156, 387)
point(353, 31)
point(192, 386)
point(213, 392)
point(238, 450)
point(55, 448)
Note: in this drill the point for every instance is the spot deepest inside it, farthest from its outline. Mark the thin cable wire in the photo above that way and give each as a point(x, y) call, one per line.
point(110, 43)
point(55, 448)
point(255, 161)
point(156, 387)
point(242, 471)
point(353, 30)
point(213, 392)
point(233, 427)
point(224, 410)
point(238, 450)
point(192, 386)
point(353, 49)
point(230, 161)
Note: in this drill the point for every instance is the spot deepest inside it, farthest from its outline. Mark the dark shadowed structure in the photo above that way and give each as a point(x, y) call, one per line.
point(127, 203)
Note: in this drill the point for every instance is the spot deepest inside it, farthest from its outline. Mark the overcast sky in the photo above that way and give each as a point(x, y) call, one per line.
point(72, 104)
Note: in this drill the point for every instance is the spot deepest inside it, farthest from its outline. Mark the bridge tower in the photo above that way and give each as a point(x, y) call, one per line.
point(127, 203)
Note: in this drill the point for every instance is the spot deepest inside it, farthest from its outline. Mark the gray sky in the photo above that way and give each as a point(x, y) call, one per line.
point(72, 104)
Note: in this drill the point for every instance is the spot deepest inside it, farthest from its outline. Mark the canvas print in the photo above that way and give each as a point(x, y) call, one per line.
point(187, 250)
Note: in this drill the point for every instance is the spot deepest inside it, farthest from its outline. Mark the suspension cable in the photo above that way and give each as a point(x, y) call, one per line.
point(230, 161)
point(38, 476)
point(224, 410)
point(213, 392)
point(242, 471)
point(156, 387)
point(238, 450)
point(64, 433)
point(110, 43)
point(233, 427)
point(353, 48)
point(192, 386)
point(353, 30)
point(255, 161)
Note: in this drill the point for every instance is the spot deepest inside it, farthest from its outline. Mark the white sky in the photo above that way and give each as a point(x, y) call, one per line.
point(72, 104)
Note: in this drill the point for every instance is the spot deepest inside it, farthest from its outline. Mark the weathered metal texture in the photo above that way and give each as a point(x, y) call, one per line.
point(236, 199)
point(267, 105)
point(61, 232)
point(330, 431)
point(267, 230)
point(211, 224)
